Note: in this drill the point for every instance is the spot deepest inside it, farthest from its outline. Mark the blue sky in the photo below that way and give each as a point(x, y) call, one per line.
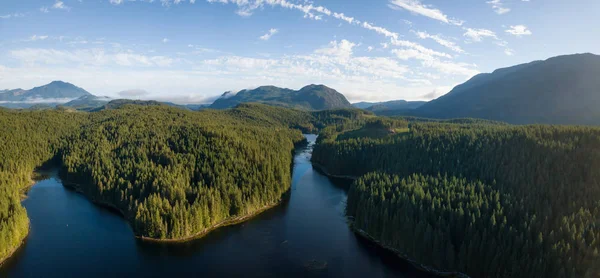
point(192, 51)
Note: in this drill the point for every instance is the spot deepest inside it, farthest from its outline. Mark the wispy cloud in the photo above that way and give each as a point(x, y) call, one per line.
point(498, 6)
point(44, 9)
point(269, 34)
point(437, 38)
point(60, 5)
point(477, 35)
point(88, 57)
point(416, 7)
point(342, 50)
point(37, 38)
point(133, 93)
point(519, 30)
point(250, 6)
point(39, 100)
point(14, 15)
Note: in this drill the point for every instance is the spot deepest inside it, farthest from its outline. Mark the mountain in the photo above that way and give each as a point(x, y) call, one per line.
point(311, 97)
point(118, 103)
point(560, 90)
point(87, 102)
point(196, 107)
point(364, 104)
point(395, 105)
point(56, 90)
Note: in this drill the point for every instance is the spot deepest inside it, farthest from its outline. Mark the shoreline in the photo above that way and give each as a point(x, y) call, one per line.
point(323, 170)
point(368, 237)
point(23, 194)
point(400, 255)
point(226, 222)
point(18, 247)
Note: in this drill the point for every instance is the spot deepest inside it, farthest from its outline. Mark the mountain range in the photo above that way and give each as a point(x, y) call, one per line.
point(311, 97)
point(559, 90)
point(389, 105)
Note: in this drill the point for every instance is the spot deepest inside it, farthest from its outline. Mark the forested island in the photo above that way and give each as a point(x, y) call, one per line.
point(478, 197)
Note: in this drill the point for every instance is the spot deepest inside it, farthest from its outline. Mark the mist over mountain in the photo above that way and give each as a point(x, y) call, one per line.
point(560, 90)
point(57, 90)
point(87, 102)
point(311, 97)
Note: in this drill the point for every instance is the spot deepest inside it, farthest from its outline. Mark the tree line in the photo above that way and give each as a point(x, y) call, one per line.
point(489, 200)
point(28, 140)
point(172, 173)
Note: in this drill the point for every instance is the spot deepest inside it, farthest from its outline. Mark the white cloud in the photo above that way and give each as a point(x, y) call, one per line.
point(248, 6)
point(415, 6)
point(519, 30)
point(406, 54)
point(342, 50)
point(498, 6)
point(37, 38)
point(15, 15)
point(87, 57)
point(477, 35)
point(437, 38)
point(60, 5)
point(420, 48)
point(509, 52)
point(269, 34)
point(452, 68)
point(370, 48)
point(111, 71)
point(380, 30)
point(44, 9)
point(165, 40)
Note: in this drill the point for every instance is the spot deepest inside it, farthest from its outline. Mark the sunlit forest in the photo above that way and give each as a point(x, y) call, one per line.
point(482, 198)
point(473, 196)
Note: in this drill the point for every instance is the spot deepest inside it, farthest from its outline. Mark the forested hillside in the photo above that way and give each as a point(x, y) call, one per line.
point(172, 173)
point(480, 197)
point(28, 139)
point(175, 173)
point(489, 200)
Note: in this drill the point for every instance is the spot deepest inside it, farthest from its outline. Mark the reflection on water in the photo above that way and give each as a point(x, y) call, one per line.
point(306, 236)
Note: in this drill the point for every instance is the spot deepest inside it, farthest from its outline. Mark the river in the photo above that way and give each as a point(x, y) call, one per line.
point(306, 236)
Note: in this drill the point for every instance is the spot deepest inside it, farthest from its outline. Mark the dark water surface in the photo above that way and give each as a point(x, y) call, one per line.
point(306, 236)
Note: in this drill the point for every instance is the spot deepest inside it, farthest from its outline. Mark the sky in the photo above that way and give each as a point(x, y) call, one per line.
point(191, 51)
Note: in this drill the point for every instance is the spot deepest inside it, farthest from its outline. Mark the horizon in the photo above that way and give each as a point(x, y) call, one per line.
point(192, 51)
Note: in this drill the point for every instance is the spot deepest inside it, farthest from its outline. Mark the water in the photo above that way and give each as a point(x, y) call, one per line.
point(307, 236)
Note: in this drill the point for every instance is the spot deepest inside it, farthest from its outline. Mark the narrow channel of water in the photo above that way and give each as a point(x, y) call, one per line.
point(306, 236)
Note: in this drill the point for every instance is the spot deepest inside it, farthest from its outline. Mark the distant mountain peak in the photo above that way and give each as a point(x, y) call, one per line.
point(53, 92)
point(59, 82)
